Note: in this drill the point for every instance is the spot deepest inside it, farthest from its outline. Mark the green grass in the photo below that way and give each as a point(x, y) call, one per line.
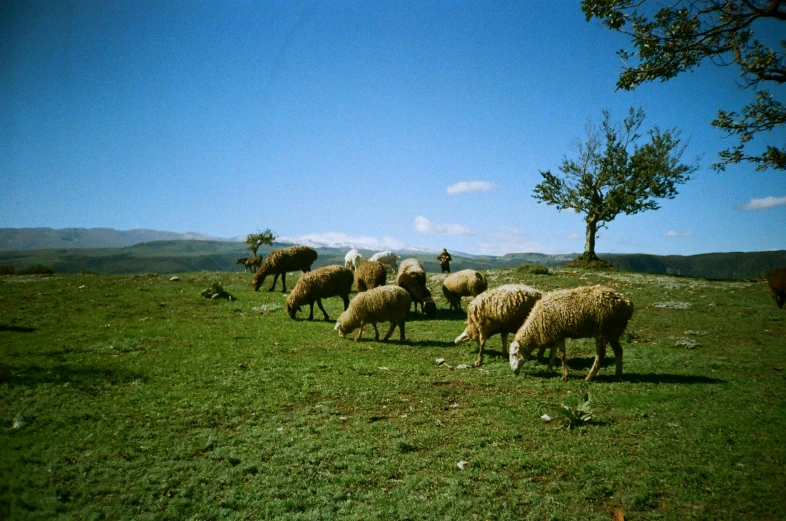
point(132, 397)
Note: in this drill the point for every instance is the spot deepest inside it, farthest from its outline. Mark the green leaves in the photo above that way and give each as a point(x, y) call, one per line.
point(679, 37)
point(577, 415)
point(255, 240)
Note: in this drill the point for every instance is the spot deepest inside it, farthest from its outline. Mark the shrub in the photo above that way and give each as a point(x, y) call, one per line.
point(36, 269)
point(591, 264)
point(533, 269)
point(7, 270)
point(89, 272)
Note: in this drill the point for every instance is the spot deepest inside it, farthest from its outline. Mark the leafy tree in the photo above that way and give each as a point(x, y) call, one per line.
point(255, 240)
point(615, 174)
point(682, 34)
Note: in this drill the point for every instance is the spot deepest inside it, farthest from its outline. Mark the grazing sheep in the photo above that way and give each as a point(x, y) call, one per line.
point(250, 263)
point(369, 275)
point(499, 310)
point(585, 312)
point(464, 283)
point(388, 258)
point(318, 284)
point(382, 304)
point(279, 262)
point(777, 281)
point(412, 277)
point(352, 259)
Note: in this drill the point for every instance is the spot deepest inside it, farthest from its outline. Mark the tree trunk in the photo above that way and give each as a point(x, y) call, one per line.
point(589, 244)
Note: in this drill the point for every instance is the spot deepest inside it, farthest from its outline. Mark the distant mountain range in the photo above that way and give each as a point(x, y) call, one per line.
point(109, 251)
point(16, 239)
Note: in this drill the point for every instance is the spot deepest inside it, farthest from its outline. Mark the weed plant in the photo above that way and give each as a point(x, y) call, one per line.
point(132, 397)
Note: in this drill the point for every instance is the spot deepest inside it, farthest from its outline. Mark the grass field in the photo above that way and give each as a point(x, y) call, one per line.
point(130, 397)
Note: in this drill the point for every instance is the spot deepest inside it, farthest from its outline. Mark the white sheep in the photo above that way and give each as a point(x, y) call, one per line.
point(412, 277)
point(464, 283)
point(352, 259)
point(381, 304)
point(325, 282)
point(585, 312)
point(388, 258)
point(499, 310)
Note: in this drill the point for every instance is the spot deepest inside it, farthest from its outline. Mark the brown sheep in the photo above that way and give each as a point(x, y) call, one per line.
point(370, 275)
point(777, 280)
point(321, 283)
point(279, 262)
point(412, 277)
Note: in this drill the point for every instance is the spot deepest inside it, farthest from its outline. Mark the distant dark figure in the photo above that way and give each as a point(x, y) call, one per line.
point(777, 280)
point(444, 260)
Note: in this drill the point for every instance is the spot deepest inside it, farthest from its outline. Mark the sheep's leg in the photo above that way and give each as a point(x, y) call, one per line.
point(275, 279)
point(376, 331)
point(390, 331)
point(401, 330)
point(564, 356)
point(321, 308)
point(481, 346)
point(552, 356)
point(541, 350)
point(615, 345)
point(345, 298)
point(311, 310)
point(284, 282)
point(360, 332)
point(600, 352)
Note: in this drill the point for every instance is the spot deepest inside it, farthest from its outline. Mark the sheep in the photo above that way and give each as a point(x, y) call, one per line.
point(279, 262)
point(369, 275)
point(381, 304)
point(499, 310)
point(465, 283)
point(584, 312)
point(352, 259)
point(777, 282)
point(250, 263)
point(318, 284)
point(388, 258)
point(412, 277)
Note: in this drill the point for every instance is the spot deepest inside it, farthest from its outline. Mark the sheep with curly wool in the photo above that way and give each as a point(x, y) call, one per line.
point(388, 258)
point(777, 283)
point(369, 275)
point(352, 259)
point(329, 281)
point(412, 277)
point(279, 262)
point(464, 283)
point(499, 310)
point(585, 312)
point(381, 304)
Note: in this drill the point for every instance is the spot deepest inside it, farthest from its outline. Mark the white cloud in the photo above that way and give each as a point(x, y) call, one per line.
point(764, 203)
point(573, 236)
point(510, 240)
point(672, 233)
point(423, 225)
point(470, 186)
point(342, 240)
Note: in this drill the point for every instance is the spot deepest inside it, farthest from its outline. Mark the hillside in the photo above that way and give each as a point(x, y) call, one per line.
point(18, 239)
point(180, 256)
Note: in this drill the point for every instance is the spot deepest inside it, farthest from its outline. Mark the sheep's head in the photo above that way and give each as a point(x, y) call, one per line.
point(258, 279)
point(430, 308)
point(292, 310)
point(519, 354)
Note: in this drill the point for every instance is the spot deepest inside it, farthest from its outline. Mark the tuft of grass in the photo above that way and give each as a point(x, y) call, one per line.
point(36, 269)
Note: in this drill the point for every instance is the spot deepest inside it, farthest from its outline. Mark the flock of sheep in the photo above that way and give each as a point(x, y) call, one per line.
point(538, 320)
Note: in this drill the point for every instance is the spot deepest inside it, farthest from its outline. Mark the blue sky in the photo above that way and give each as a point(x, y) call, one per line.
point(373, 124)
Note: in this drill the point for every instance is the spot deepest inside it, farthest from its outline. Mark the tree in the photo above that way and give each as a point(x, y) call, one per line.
point(255, 240)
point(615, 174)
point(681, 35)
